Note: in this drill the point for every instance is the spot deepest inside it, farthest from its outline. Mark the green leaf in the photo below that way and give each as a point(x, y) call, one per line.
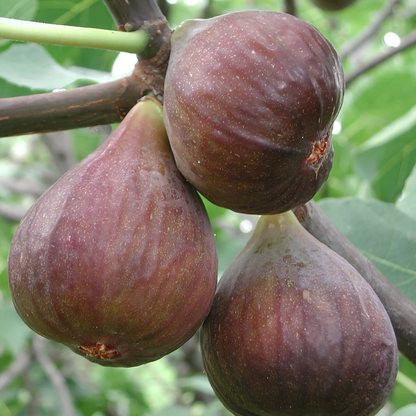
point(407, 201)
point(45, 73)
point(199, 383)
point(387, 158)
point(18, 9)
point(172, 411)
point(383, 233)
point(13, 331)
point(409, 410)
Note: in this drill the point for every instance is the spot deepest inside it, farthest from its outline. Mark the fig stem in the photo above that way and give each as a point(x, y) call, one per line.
point(401, 310)
point(145, 15)
point(26, 31)
point(91, 105)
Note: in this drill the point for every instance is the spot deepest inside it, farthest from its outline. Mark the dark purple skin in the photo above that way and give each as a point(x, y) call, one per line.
point(250, 100)
point(295, 330)
point(117, 260)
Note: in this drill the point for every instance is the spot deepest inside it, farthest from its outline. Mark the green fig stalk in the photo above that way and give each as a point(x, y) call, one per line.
point(25, 31)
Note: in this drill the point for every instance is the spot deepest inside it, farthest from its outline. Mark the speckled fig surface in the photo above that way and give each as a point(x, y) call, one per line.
point(295, 330)
point(250, 100)
point(117, 260)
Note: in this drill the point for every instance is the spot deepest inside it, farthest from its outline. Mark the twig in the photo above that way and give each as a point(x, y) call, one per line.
point(165, 7)
point(407, 42)
point(208, 10)
point(12, 212)
point(92, 105)
point(401, 310)
point(290, 7)
point(144, 15)
point(23, 186)
point(54, 376)
point(369, 31)
point(59, 145)
point(97, 104)
point(33, 403)
point(15, 369)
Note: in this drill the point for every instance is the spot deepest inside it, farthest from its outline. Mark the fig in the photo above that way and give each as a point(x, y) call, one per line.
point(117, 259)
point(250, 100)
point(294, 330)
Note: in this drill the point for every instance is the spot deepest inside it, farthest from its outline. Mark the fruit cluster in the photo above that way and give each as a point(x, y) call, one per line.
point(117, 260)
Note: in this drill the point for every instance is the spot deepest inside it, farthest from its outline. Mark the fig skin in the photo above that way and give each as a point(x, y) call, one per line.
point(117, 260)
point(294, 330)
point(250, 100)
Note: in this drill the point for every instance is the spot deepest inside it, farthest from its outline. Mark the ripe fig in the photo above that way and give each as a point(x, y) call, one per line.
point(294, 330)
point(117, 260)
point(250, 100)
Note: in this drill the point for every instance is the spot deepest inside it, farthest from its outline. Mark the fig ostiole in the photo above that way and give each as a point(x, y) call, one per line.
point(250, 101)
point(117, 260)
point(294, 330)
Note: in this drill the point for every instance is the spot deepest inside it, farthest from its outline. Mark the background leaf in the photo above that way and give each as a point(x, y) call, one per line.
point(409, 410)
point(18, 9)
point(382, 233)
point(407, 201)
point(387, 158)
point(13, 332)
point(45, 73)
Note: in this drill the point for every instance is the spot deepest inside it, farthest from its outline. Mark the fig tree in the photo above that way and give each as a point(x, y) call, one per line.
point(250, 100)
point(117, 260)
point(296, 331)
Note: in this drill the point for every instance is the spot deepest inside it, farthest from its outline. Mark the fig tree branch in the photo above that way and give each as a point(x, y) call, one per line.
point(144, 15)
point(60, 147)
point(11, 212)
point(88, 106)
point(20, 30)
point(23, 186)
point(56, 378)
point(401, 310)
point(406, 42)
point(133, 12)
point(370, 30)
point(290, 7)
point(92, 105)
point(16, 368)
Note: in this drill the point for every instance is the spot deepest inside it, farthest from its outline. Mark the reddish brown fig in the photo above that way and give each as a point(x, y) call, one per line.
point(250, 100)
point(295, 330)
point(117, 260)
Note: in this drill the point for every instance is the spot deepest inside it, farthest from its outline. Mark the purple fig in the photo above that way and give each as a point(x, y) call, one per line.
point(294, 330)
point(117, 260)
point(250, 100)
